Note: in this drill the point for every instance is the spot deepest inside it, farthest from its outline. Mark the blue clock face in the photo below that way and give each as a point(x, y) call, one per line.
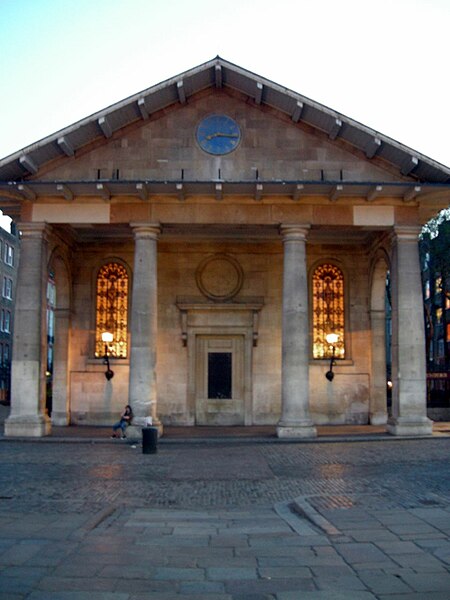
point(218, 134)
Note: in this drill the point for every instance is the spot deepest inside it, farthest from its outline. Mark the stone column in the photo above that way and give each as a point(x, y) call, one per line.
point(378, 401)
point(144, 300)
point(27, 416)
point(295, 418)
point(409, 405)
point(60, 408)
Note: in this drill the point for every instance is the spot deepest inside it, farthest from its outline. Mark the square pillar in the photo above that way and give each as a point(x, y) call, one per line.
point(409, 397)
point(27, 416)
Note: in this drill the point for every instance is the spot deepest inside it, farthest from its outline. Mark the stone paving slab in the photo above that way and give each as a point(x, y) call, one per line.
point(105, 522)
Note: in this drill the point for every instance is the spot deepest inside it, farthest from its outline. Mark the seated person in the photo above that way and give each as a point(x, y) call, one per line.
point(125, 420)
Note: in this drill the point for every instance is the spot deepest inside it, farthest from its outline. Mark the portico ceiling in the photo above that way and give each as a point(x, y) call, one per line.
point(220, 232)
point(217, 73)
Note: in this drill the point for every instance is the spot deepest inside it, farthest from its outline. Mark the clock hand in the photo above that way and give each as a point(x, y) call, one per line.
point(218, 134)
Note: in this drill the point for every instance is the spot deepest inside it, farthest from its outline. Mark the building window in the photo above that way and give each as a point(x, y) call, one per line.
point(51, 305)
point(5, 324)
point(112, 309)
point(328, 310)
point(7, 288)
point(8, 254)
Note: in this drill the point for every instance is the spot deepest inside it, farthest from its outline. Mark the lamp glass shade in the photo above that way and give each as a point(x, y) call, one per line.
point(107, 337)
point(332, 338)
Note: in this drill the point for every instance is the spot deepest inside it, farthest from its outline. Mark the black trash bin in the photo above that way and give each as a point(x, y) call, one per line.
point(149, 440)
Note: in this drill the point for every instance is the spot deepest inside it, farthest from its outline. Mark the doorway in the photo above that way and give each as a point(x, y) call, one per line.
point(219, 380)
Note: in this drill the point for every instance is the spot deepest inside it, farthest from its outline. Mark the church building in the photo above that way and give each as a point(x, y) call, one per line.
point(214, 251)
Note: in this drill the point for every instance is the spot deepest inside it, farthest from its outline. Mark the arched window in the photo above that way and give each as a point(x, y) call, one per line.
point(112, 309)
point(328, 310)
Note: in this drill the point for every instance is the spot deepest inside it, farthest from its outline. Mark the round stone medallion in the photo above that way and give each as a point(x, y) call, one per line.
point(219, 277)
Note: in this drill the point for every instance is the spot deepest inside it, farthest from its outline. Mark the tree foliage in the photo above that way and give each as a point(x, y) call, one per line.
point(432, 228)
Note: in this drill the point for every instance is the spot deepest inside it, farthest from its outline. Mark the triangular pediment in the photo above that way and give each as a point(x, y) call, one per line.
point(194, 143)
point(219, 74)
point(283, 145)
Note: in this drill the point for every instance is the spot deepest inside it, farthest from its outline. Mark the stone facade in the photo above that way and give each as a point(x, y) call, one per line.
point(217, 272)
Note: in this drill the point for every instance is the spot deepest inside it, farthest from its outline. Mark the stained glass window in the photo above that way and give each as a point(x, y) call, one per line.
point(112, 310)
point(328, 310)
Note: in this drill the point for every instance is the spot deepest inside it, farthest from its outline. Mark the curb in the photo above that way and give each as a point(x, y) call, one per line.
point(228, 439)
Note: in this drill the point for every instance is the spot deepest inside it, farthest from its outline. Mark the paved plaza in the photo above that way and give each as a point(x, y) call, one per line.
point(225, 520)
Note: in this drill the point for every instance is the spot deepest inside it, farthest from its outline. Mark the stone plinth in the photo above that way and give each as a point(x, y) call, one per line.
point(27, 426)
point(305, 429)
point(405, 426)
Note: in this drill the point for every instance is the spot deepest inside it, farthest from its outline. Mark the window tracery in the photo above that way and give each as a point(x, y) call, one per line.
point(112, 309)
point(328, 310)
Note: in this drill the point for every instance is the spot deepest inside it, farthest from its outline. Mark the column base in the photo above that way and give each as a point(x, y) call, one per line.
point(296, 430)
point(409, 426)
point(27, 426)
point(134, 432)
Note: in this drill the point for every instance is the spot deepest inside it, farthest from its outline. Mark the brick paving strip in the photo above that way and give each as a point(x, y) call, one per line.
point(225, 522)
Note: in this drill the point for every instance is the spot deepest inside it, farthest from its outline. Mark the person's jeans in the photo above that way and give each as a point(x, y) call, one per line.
point(120, 425)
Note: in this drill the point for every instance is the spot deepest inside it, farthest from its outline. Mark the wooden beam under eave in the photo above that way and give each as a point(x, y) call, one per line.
point(65, 191)
point(103, 190)
point(105, 126)
point(219, 191)
point(409, 165)
point(259, 191)
point(180, 191)
point(143, 109)
point(259, 92)
point(65, 146)
point(27, 191)
point(372, 147)
point(335, 129)
point(27, 163)
point(218, 76)
point(374, 193)
point(181, 92)
point(412, 193)
point(297, 112)
point(336, 193)
point(142, 191)
point(299, 190)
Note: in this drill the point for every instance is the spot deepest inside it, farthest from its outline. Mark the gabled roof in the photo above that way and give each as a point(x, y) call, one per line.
point(219, 73)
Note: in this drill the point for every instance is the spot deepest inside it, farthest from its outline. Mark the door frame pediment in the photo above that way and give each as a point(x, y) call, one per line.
point(203, 318)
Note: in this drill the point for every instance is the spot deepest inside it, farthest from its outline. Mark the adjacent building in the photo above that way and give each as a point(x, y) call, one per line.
point(9, 256)
point(203, 238)
point(435, 256)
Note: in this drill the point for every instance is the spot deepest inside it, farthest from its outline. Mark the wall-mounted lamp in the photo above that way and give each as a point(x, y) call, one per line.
point(332, 339)
point(107, 338)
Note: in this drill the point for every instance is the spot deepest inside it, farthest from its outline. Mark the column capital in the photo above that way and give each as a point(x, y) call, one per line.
point(406, 233)
point(33, 230)
point(146, 230)
point(294, 232)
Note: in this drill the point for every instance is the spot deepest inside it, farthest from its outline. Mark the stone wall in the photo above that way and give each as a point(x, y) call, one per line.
point(346, 400)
